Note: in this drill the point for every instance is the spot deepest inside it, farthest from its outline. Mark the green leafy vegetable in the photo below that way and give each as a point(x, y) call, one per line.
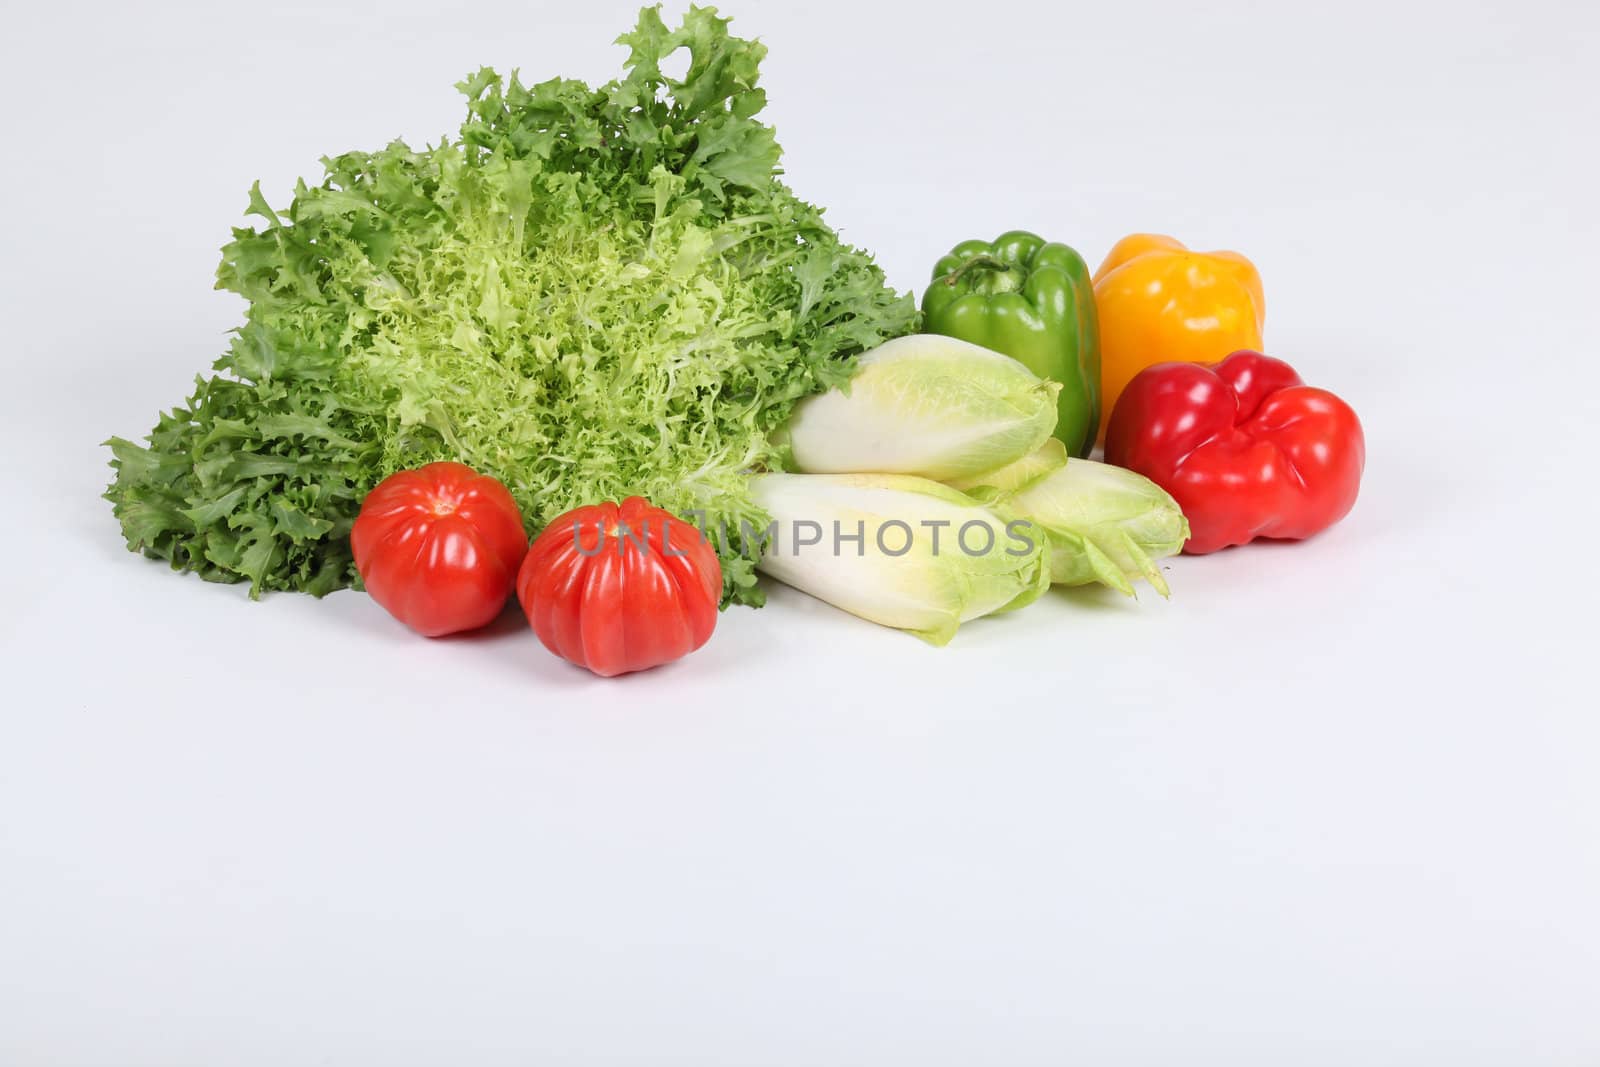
point(590, 293)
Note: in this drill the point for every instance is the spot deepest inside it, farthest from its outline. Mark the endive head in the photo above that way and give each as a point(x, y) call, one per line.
point(1104, 523)
point(899, 550)
point(924, 405)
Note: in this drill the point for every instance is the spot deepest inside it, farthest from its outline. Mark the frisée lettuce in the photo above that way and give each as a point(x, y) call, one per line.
point(589, 293)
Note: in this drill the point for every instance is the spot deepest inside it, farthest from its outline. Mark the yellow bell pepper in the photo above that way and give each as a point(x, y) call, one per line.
point(1160, 302)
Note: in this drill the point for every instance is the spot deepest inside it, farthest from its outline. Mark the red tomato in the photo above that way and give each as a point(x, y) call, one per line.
point(618, 589)
point(438, 547)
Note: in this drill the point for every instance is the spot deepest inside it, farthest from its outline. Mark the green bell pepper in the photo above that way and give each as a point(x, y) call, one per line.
point(1033, 301)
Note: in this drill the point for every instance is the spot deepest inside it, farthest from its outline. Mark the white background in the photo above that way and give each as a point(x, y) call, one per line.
point(1335, 803)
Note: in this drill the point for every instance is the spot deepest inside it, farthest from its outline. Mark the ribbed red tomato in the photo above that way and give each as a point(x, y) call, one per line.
point(619, 589)
point(439, 547)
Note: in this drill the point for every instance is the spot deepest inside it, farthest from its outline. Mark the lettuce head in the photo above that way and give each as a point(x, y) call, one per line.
point(587, 292)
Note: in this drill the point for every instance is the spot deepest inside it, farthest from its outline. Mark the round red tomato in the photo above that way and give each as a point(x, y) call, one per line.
point(439, 546)
point(618, 589)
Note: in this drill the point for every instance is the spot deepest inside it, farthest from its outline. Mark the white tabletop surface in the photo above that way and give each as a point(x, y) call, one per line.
point(1334, 803)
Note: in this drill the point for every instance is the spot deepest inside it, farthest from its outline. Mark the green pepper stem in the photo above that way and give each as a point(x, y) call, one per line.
point(981, 261)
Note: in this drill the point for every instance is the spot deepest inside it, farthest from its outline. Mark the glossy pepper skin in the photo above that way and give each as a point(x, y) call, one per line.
point(1159, 302)
point(1244, 446)
point(1032, 300)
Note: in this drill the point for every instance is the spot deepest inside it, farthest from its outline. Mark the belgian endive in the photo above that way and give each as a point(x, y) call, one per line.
point(1104, 524)
point(899, 550)
point(925, 405)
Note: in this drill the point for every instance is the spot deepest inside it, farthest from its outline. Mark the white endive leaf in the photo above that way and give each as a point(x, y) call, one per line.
point(1013, 477)
point(1105, 524)
point(899, 550)
point(935, 407)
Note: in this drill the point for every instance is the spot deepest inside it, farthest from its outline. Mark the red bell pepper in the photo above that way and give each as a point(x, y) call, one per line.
point(1245, 447)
